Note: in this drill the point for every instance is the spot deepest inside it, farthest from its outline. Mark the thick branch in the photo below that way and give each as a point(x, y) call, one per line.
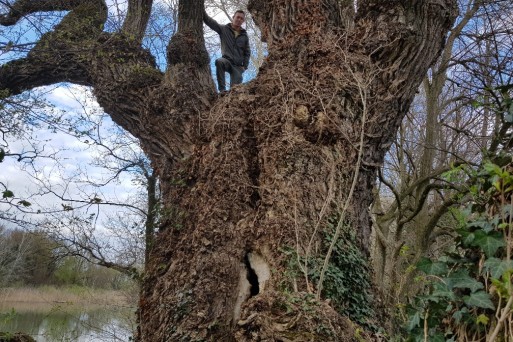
point(59, 55)
point(435, 217)
point(137, 18)
point(402, 34)
point(78, 51)
point(28, 73)
point(413, 187)
point(24, 7)
point(421, 201)
point(187, 46)
point(280, 21)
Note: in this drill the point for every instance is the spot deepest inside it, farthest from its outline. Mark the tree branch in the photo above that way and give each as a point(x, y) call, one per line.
point(137, 18)
point(187, 46)
point(78, 51)
point(421, 201)
point(56, 57)
point(278, 21)
point(22, 8)
point(31, 72)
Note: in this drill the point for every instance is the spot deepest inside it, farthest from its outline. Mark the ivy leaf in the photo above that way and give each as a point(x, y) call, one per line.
point(413, 322)
point(458, 315)
point(498, 267)
point(489, 243)
point(432, 268)
point(479, 299)
point(484, 225)
point(447, 295)
point(25, 203)
point(506, 210)
point(7, 194)
point(462, 280)
point(482, 319)
point(467, 238)
point(437, 337)
point(493, 169)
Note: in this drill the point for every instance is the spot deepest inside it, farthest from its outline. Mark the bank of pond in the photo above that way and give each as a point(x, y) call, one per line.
point(67, 314)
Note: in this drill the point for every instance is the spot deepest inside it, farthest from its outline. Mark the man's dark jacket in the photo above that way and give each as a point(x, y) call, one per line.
point(236, 50)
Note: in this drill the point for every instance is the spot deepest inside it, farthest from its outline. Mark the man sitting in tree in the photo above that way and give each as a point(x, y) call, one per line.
point(235, 49)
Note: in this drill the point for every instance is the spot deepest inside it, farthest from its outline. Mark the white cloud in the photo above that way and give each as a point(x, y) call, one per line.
point(71, 157)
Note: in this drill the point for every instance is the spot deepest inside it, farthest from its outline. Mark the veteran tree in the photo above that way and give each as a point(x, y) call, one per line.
point(258, 186)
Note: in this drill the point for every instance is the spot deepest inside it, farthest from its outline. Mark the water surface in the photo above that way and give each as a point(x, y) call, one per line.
point(49, 322)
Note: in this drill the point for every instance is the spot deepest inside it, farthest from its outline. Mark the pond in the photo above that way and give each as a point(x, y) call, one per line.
point(66, 322)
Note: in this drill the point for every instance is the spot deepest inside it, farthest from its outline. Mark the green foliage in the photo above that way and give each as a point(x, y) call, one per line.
point(467, 289)
point(6, 317)
point(33, 258)
point(69, 271)
point(25, 203)
point(7, 194)
point(347, 281)
point(27, 258)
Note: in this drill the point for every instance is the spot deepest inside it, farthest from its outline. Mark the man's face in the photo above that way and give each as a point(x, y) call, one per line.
point(238, 20)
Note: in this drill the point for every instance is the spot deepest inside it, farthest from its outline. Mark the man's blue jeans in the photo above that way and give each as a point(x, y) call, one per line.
point(222, 66)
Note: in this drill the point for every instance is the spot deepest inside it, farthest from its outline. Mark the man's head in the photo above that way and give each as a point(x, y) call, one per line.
point(238, 19)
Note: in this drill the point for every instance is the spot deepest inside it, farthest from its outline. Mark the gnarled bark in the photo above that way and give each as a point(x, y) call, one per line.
point(246, 176)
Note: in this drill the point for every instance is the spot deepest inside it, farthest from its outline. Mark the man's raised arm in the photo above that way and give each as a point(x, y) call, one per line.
point(214, 25)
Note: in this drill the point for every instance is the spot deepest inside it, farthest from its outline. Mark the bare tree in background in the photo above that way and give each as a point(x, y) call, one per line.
point(414, 219)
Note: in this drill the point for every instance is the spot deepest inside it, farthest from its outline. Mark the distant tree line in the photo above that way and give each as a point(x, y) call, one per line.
point(34, 259)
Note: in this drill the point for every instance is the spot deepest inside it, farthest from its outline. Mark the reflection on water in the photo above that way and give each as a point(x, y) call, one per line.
point(65, 322)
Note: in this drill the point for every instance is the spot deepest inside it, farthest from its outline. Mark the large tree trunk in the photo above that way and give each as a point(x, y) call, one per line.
point(276, 163)
point(257, 177)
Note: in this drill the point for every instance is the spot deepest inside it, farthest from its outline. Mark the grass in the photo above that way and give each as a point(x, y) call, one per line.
point(76, 295)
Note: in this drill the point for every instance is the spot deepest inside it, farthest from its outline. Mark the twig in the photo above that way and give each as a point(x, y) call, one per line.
point(505, 314)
